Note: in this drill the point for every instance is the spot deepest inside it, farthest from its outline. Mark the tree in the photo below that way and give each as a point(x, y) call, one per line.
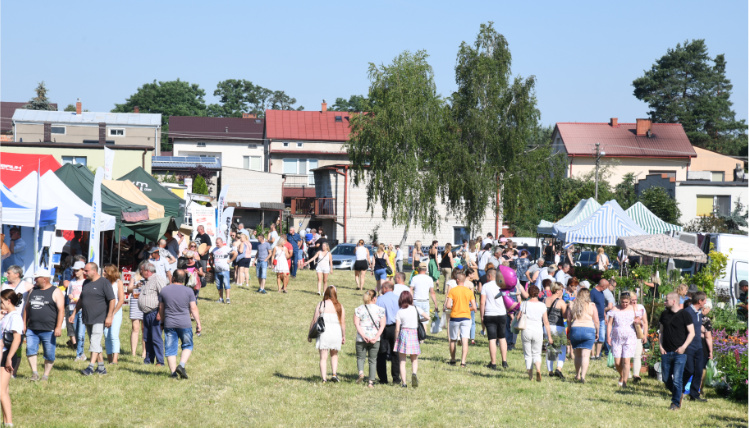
point(242, 96)
point(734, 223)
point(624, 192)
point(40, 101)
point(171, 98)
point(355, 103)
point(495, 116)
point(687, 86)
point(660, 203)
point(397, 148)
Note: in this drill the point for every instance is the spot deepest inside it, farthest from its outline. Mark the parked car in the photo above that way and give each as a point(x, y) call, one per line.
point(344, 255)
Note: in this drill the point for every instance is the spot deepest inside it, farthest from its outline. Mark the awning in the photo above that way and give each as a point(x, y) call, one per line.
point(152, 229)
point(648, 221)
point(17, 212)
point(603, 227)
point(174, 206)
point(582, 211)
point(662, 246)
point(127, 190)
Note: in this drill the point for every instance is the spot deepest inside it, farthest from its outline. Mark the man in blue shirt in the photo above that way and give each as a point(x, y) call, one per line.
point(294, 239)
point(389, 301)
point(693, 366)
point(597, 297)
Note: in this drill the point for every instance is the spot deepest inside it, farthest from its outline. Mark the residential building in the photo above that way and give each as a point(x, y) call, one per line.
point(255, 196)
point(640, 148)
point(699, 198)
point(6, 118)
point(712, 166)
point(238, 142)
point(116, 129)
point(178, 169)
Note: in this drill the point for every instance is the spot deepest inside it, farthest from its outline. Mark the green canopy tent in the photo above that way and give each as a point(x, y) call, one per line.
point(153, 229)
point(648, 221)
point(174, 206)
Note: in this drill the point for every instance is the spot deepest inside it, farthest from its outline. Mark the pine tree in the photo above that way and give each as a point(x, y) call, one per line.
point(40, 101)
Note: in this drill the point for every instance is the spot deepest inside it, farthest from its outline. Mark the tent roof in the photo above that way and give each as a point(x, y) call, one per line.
point(72, 212)
point(81, 181)
point(648, 221)
point(127, 190)
point(174, 206)
point(545, 227)
point(152, 229)
point(662, 246)
point(583, 210)
point(18, 212)
point(16, 166)
point(603, 227)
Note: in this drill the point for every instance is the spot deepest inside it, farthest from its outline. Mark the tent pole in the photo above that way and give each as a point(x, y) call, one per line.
point(111, 247)
point(119, 246)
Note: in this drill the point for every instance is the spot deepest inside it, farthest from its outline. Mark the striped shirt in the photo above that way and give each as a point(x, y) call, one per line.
point(148, 301)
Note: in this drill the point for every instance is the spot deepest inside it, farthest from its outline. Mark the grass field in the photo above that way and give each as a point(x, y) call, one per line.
point(254, 366)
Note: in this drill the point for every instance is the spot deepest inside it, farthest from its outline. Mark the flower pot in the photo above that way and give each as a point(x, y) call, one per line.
point(644, 370)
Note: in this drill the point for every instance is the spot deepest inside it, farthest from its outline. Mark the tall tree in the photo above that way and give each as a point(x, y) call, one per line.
point(242, 96)
point(171, 98)
point(624, 192)
point(353, 104)
point(397, 148)
point(495, 116)
point(40, 101)
point(687, 86)
point(661, 204)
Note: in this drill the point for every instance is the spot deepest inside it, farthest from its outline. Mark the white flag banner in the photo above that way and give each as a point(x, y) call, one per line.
point(222, 199)
point(108, 163)
point(225, 224)
point(93, 241)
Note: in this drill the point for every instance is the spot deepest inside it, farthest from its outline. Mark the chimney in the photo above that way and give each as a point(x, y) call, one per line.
point(249, 116)
point(102, 133)
point(324, 106)
point(614, 122)
point(78, 107)
point(643, 127)
point(136, 109)
point(47, 132)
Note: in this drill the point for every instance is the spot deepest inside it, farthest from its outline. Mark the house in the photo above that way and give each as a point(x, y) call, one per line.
point(699, 198)
point(238, 142)
point(255, 195)
point(125, 129)
point(6, 118)
point(640, 148)
point(178, 169)
point(712, 166)
point(300, 142)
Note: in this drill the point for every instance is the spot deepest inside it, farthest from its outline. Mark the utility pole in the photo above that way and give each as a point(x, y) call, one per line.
point(599, 155)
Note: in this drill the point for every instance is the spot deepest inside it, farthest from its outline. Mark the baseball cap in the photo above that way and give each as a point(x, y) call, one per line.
point(43, 274)
point(153, 249)
point(585, 284)
point(79, 265)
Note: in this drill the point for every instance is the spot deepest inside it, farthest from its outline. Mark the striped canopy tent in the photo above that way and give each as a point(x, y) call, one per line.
point(648, 221)
point(577, 215)
point(603, 227)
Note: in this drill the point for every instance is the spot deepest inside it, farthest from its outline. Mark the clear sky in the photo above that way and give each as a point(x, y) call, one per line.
point(585, 55)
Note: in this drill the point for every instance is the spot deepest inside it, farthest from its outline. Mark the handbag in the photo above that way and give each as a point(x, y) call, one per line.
point(420, 331)
point(611, 363)
point(518, 324)
point(388, 270)
point(638, 329)
point(318, 327)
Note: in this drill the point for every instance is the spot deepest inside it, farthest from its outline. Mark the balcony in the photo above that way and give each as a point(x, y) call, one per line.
point(317, 207)
point(303, 180)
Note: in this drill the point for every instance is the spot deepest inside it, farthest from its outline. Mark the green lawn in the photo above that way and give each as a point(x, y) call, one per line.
point(253, 366)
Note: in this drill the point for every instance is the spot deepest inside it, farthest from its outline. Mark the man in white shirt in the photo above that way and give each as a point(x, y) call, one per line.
point(422, 288)
point(400, 284)
point(483, 259)
point(223, 255)
point(398, 259)
point(161, 265)
point(494, 318)
point(273, 235)
point(535, 270)
point(242, 230)
point(562, 274)
point(496, 258)
point(489, 240)
point(545, 273)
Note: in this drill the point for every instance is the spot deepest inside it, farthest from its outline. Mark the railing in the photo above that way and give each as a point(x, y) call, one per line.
point(325, 207)
point(312, 206)
point(302, 206)
point(299, 180)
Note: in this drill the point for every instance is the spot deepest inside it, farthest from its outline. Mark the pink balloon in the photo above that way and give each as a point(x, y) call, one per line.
point(509, 302)
point(509, 278)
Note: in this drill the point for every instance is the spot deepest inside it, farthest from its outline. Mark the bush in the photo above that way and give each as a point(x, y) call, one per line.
point(730, 355)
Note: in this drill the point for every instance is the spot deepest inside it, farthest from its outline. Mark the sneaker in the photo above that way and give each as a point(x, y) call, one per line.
point(258, 291)
point(491, 366)
point(228, 301)
point(558, 373)
point(673, 407)
point(263, 291)
point(88, 371)
point(173, 375)
point(552, 374)
point(220, 301)
point(45, 378)
point(80, 358)
point(335, 379)
point(414, 380)
point(504, 364)
point(34, 377)
point(101, 370)
point(181, 372)
point(403, 385)
point(636, 380)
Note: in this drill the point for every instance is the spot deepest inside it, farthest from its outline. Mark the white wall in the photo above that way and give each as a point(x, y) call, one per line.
point(231, 152)
point(686, 196)
point(251, 186)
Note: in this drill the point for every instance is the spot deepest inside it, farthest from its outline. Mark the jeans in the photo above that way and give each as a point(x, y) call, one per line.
point(261, 269)
point(385, 354)
point(222, 280)
point(152, 337)
point(509, 335)
point(112, 334)
point(80, 333)
point(46, 338)
point(380, 274)
point(693, 369)
point(473, 325)
point(367, 351)
point(672, 371)
point(294, 258)
point(175, 335)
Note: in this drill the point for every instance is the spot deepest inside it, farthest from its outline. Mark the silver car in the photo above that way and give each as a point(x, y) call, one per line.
point(344, 255)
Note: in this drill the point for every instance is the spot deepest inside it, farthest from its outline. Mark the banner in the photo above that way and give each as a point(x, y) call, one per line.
point(37, 215)
point(93, 242)
point(108, 163)
point(206, 217)
point(222, 199)
point(224, 224)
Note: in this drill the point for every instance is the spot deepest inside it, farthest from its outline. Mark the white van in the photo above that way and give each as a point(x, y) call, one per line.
point(737, 268)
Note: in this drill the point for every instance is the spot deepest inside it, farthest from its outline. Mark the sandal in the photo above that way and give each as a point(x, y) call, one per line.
point(370, 385)
point(463, 365)
point(361, 378)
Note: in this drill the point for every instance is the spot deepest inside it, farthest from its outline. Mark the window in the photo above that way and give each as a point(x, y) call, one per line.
point(461, 233)
point(253, 162)
point(300, 145)
point(669, 174)
point(301, 167)
point(718, 176)
point(286, 144)
point(723, 205)
point(709, 205)
point(339, 118)
point(57, 130)
point(116, 132)
point(201, 144)
point(75, 160)
point(704, 205)
point(97, 141)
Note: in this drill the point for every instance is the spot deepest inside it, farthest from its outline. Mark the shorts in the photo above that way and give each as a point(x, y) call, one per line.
point(95, 332)
point(47, 339)
point(299, 254)
point(601, 331)
point(172, 335)
point(222, 280)
point(261, 269)
point(4, 359)
point(380, 274)
point(244, 263)
point(460, 328)
point(496, 326)
point(582, 337)
point(361, 265)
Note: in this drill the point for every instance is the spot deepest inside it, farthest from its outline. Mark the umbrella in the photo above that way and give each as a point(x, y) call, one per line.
point(662, 246)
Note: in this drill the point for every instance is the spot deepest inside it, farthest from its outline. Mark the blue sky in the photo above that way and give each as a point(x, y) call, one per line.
point(585, 55)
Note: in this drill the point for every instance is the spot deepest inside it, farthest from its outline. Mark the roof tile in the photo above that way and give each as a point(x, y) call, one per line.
point(666, 140)
point(306, 125)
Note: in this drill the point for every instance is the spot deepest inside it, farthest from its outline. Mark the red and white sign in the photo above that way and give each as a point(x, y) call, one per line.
point(14, 167)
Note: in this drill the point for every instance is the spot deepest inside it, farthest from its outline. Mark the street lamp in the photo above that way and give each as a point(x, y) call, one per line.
point(599, 155)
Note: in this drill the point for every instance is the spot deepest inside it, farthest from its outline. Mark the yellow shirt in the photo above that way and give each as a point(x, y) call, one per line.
point(460, 296)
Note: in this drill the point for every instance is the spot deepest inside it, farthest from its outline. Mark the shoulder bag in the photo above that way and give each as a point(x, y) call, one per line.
point(319, 326)
point(420, 331)
point(376, 324)
point(518, 324)
point(638, 327)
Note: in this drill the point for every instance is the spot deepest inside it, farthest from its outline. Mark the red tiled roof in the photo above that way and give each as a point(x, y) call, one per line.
point(196, 128)
point(666, 140)
point(6, 114)
point(307, 125)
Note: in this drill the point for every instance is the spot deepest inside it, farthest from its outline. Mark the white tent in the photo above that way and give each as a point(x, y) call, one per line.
point(72, 212)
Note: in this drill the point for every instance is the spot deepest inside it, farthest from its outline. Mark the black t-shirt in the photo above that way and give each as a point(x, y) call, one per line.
point(674, 329)
point(95, 297)
point(203, 238)
point(741, 311)
point(321, 241)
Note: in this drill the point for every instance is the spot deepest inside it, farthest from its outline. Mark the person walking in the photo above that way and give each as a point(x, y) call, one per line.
point(494, 319)
point(620, 330)
point(380, 263)
point(461, 302)
point(244, 252)
point(389, 302)
point(223, 255)
point(521, 267)
point(194, 270)
point(534, 271)
point(12, 327)
point(176, 304)
point(280, 261)
point(676, 333)
point(693, 366)
point(148, 303)
point(641, 313)
point(416, 254)
point(75, 286)
point(707, 338)
point(112, 333)
point(602, 260)
point(447, 263)
point(532, 336)
point(45, 311)
point(97, 304)
point(324, 265)
point(370, 322)
point(398, 259)
point(294, 239)
point(362, 263)
point(483, 258)
point(555, 310)
point(136, 315)
point(261, 262)
point(334, 336)
point(406, 331)
point(582, 316)
point(602, 307)
point(422, 289)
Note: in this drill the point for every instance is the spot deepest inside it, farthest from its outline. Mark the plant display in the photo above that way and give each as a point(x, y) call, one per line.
point(730, 355)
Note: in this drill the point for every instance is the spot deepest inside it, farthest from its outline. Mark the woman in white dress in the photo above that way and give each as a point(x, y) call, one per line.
point(324, 266)
point(334, 335)
point(280, 261)
point(602, 260)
